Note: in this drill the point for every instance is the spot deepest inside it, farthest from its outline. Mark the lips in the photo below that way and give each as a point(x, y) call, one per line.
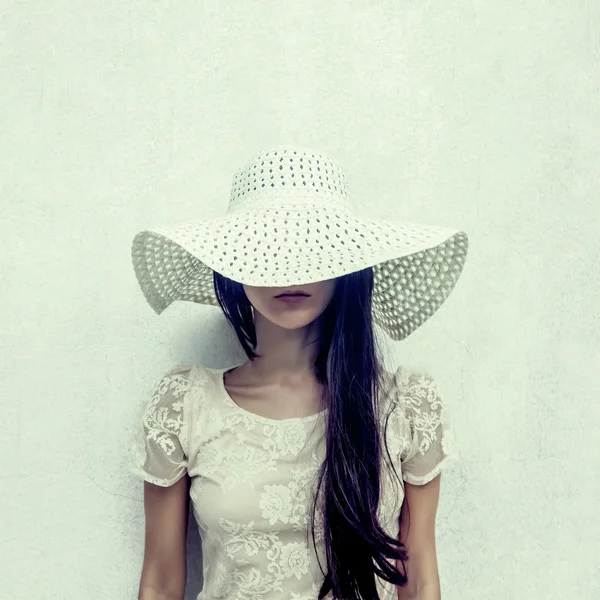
point(291, 295)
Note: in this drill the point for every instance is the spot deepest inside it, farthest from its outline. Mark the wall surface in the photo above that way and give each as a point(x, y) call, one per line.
point(479, 115)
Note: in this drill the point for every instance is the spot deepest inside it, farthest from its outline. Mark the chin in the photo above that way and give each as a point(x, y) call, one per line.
point(294, 321)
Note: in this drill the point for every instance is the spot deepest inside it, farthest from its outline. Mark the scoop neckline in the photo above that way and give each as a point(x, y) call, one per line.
point(229, 401)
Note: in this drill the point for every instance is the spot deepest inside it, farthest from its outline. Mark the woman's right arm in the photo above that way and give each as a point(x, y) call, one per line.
point(164, 570)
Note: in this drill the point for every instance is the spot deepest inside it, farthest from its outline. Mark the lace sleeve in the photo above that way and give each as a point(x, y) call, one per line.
point(159, 446)
point(431, 443)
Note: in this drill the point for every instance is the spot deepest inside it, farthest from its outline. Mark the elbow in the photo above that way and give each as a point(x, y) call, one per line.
point(407, 594)
point(427, 591)
point(162, 584)
point(430, 591)
point(149, 592)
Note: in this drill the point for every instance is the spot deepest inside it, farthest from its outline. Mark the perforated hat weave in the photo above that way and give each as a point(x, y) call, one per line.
point(290, 221)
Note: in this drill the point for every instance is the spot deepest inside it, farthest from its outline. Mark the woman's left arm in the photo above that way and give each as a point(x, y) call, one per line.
point(421, 568)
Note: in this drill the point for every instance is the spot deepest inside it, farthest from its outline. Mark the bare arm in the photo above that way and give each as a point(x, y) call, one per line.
point(422, 567)
point(164, 571)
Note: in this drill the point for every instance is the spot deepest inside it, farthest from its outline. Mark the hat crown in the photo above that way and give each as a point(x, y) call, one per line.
point(285, 177)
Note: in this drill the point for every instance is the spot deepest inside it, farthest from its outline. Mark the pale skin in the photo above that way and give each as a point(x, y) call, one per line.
point(279, 385)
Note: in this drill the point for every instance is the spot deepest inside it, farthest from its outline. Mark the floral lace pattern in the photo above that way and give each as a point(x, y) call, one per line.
point(253, 479)
point(158, 445)
point(429, 441)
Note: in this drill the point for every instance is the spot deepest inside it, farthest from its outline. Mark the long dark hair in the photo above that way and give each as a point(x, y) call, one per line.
point(356, 545)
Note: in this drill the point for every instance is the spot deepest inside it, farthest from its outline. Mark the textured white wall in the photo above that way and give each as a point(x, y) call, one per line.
point(471, 114)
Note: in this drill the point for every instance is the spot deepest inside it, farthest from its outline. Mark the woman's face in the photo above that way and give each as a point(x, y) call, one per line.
point(291, 315)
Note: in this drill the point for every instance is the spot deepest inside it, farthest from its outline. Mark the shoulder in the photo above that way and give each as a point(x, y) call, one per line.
point(186, 374)
point(184, 370)
point(170, 390)
point(409, 381)
point(412, 394)
point(196, 378)
point(176, 380)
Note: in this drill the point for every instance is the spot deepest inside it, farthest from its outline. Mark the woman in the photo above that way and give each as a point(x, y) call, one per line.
point(311, 470)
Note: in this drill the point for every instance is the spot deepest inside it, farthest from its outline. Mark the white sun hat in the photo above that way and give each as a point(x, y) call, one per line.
point(290, 221)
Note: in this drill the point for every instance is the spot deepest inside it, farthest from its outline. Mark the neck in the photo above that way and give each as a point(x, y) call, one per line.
point(288, 355)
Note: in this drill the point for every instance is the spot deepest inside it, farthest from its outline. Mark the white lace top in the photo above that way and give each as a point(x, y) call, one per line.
point(253, 478)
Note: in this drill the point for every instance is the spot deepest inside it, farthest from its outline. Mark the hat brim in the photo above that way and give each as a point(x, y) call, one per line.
point(416, 266)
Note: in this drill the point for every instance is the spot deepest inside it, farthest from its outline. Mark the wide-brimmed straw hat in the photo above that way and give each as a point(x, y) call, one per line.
point(290, 221)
